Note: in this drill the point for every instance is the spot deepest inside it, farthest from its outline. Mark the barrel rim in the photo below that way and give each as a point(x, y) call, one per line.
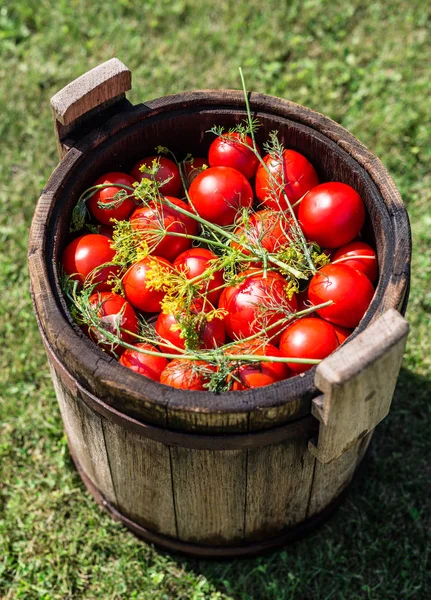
point(106, 370)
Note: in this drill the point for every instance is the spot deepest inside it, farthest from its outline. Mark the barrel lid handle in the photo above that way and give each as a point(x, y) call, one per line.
point(87, 95)
point(358, 382)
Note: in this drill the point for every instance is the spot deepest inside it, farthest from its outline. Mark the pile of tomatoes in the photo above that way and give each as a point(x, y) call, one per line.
point(263, 211)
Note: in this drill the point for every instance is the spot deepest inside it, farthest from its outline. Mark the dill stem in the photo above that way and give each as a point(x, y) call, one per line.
point(300, 313)
point(247, 105)
point(198, 355)
point(228, 284)
point(356, 257)
point(198, 239)
point(272, 177)
point(90, 191)
point(233, 238)
point(280, 359)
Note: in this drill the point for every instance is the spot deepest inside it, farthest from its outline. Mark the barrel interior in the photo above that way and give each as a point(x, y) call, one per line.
point(135, 134)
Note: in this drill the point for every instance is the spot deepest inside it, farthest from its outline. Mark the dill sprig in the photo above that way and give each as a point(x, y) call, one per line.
point(80, 212)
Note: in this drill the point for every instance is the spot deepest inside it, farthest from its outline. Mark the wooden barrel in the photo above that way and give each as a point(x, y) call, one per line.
point(236, 473)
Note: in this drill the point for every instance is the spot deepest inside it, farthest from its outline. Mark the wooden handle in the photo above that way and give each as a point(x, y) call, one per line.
point(88, 95)
point(358, 382)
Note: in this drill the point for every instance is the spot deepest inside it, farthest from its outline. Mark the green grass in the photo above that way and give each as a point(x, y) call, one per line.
point(365, 64)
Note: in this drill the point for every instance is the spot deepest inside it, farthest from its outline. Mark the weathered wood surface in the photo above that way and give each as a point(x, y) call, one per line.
point(141, 474)
point(279, 480)
point(82, 98)
point(358, 382)
point(331, 479)
point(209, 489)
point(85, 435)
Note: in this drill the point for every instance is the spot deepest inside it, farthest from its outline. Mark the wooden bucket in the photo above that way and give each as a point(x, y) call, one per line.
point(212, 475)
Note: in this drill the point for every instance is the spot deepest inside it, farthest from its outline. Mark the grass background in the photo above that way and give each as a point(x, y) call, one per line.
point(363, 63)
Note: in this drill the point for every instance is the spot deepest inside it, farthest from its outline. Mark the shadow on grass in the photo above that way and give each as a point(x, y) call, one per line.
point(376, 544)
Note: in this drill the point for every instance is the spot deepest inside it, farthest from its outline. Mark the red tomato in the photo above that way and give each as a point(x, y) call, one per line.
point(115, 314)
point(167, 170)
point(144, 364)
point(228, 151)
point(211, 334)
point(196, 261)
point(350, 290)
point(253, 375)
point(255, 304)
point(187, 374)
point(106, 195)
point(342, 333)
point(135, 288)
point(308, 338)
point(193, 167)
point(349, 254)
point(154, 220)
point(299, 177)
point(85, 254)
point(218, 193)
point(266, 229)
point(332, 214)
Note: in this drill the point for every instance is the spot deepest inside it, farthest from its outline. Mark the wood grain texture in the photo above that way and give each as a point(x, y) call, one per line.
point(81, 99)
point(279, 480)
point(358, 382)
point(209, 489)
point(85, 436)
point(95, 87)
point(169, 544)
point(141, 474)
point(331, 479)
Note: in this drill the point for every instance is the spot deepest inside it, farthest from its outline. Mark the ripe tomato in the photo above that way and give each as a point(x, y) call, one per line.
point(218, 193)
point(265, 229)
point(116, 316)
point(85, 254)
point(228, 151)
point(211, 334)
point(167, 170)
point(299, 177)
point(106, 195)
point(256, 304)
point(253, 375)
point(196, 261)
point(187, 374)
point(332, 214)
point(144, 364)
point(350, 290)
point(308, 338)
point(193, 167)
point(368, 266)
point(135, 288)
point(153, 220)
